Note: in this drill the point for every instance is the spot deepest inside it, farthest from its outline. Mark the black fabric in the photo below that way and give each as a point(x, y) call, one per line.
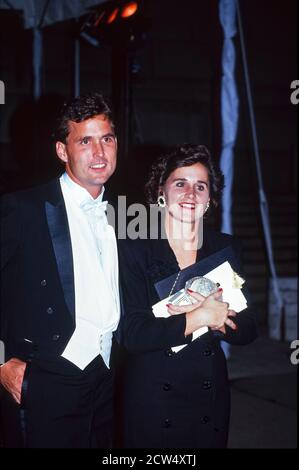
point(200, 268)
point(38, 319)
point(61, 411)
point(172, 400)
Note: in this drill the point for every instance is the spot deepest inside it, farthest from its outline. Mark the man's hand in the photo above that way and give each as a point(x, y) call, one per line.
point(11, 377)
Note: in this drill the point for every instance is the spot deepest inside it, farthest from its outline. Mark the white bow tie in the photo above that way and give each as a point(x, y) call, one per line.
point(96, 208)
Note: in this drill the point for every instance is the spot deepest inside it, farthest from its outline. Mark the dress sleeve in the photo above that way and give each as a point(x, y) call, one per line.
point(141, 331)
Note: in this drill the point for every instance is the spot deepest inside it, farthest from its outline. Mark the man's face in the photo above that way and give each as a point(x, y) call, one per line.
point(89, 153)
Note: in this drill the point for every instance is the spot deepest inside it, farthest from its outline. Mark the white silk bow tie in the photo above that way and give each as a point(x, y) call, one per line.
point(94, 207)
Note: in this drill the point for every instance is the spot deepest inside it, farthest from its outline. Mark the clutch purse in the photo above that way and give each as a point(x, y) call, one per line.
point(200, 284)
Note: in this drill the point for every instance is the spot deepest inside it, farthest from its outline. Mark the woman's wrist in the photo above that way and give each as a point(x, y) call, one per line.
point(194, 321)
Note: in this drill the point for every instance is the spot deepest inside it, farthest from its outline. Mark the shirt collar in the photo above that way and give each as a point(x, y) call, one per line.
point(78, 193)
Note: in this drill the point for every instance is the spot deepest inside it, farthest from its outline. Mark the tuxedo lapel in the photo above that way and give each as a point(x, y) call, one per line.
point(60, 235)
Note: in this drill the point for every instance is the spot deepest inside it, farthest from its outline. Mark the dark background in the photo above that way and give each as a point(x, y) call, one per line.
point(174, 97)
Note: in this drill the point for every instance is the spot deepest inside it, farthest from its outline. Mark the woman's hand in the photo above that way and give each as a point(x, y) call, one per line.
point(208, 311)
point(231, 313)
point(176, 309)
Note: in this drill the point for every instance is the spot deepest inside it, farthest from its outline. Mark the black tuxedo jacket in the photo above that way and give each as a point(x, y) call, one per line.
point(37, 281)
point(37, 278)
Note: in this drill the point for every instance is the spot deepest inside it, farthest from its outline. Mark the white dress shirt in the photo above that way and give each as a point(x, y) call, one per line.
point(95, 260)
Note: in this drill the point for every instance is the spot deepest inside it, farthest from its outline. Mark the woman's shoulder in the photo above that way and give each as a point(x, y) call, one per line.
point(216, 235)
point(221, 240)
point(133, 249)
point(128, 244)
point(146, 252)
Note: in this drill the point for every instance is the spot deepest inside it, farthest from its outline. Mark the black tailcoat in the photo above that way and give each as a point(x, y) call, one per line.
point(38, 319)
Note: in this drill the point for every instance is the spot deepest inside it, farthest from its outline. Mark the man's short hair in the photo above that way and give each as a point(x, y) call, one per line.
point(80, 109)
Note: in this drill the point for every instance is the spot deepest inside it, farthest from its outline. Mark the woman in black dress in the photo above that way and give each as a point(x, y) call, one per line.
point(178, 399)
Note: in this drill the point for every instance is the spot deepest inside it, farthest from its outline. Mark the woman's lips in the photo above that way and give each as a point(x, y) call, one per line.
point(187, 205)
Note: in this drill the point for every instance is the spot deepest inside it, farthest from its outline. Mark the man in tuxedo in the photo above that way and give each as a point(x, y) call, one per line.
point(59, 292)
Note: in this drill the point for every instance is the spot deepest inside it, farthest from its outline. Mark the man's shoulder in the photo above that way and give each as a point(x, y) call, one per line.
point(34, 193)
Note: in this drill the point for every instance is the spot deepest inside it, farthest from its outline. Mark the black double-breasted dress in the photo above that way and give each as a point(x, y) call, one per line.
point(172, 400)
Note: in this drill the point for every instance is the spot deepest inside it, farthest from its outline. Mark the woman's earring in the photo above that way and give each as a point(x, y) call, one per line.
point(207, 206)
point(161, 201)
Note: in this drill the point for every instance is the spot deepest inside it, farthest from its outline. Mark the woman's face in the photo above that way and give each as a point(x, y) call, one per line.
point(187, 192)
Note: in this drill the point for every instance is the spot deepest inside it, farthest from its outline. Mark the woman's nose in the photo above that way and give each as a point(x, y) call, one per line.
point(191, 193)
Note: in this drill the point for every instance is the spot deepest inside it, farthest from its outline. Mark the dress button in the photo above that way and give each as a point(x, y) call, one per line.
point(169, 352)
point(50, 310)
point(43, 283)
point(204, 419)
point(55, 337)
point(207, 352)
point(207, 384)
point(167, 386)
point(167, 423)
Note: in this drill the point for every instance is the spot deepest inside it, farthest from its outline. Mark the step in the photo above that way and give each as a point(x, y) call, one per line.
point(283, 269)
point(253, 269)
point(247, 219)
point(278, 231)
point(257, 285)
point(282, 255)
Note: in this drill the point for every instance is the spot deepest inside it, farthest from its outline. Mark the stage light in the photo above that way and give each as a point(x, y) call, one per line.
point(99, 19)
point(116, 22)
point(112, 16)
point(129, 9)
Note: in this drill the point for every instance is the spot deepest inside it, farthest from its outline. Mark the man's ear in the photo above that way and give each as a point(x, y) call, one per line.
point(61, 151)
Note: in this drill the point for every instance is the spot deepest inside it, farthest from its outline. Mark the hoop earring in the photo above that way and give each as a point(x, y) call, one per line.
point(161, 201)
point(207, 207)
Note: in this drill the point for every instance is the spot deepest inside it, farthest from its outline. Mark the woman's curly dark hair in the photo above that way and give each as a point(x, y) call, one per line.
point(183, 155)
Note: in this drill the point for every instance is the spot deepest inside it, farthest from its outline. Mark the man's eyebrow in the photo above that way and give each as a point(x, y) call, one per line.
point(109, 134)
point(82, 137)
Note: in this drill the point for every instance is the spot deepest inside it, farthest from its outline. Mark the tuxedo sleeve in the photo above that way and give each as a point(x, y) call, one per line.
point(141, 330)
point(9, 229)
point(9, 246)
